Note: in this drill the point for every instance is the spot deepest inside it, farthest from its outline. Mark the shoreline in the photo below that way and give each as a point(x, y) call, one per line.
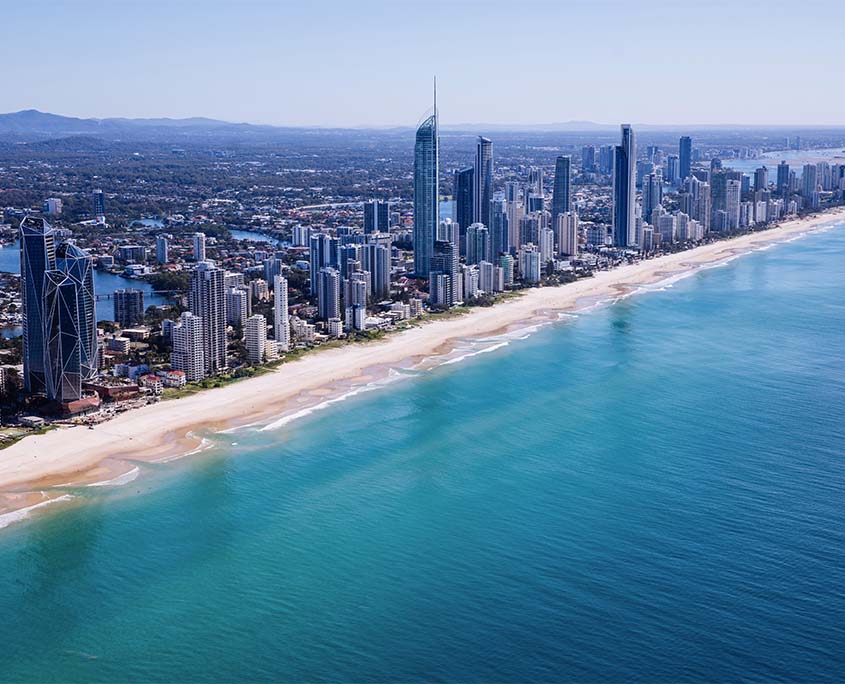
point(37, 470)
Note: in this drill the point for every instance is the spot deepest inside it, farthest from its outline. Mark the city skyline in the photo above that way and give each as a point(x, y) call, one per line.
point(291, 55)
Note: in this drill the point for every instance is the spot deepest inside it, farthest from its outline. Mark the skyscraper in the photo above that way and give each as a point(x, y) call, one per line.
point(323, 253)
point(444, 274)
point(237, 306)
point(426, 192)
point(588, 158)
point(567, 233)
point(188, 353)
point(255, 338)
point(59, 319)
point(328, 293)
point(162, 249)
point(98, 204)
point(38, 255)
point(376, 217)
point(281, 322)
point(478, 247)
point(685, 154)
point(652, 194)
point(128, 307)
point(462, 192)
point(483, 191)
point(272, 267)
point(809, 180)
point(733, 194)
point(562, 198)
point(606, 159)
point(761, 178)
point(375, 259)
point(624, 193)
point(208, 301)
point(499, 228)
point(199, 246)
point(673, 170)
point(70, 323)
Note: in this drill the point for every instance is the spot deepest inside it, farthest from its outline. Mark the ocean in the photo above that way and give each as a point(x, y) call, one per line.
point(651, 490)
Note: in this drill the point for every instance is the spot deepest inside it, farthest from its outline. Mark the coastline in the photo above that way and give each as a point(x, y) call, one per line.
point(38, 469)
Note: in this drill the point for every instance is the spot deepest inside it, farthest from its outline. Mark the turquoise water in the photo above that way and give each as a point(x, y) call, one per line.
point(652, 491)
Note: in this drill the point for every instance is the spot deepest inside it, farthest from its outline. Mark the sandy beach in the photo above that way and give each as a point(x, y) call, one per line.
point(33, 471)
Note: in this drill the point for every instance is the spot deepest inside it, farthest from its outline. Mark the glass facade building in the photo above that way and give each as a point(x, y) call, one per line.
point(562, 197)
point(483, 193)
point(426, 193)
point(38, 255)
point(624, 191)
point(60, 322)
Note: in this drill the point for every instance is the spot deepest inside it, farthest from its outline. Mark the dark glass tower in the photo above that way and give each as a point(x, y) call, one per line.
point(783, 179)
point(624, 192)
point(70, 323)
point(38, 255)
point(464, 205)
point(685, 154)
point(483, 191)
point(562, 198)
point(59, 319)
point(426, 193)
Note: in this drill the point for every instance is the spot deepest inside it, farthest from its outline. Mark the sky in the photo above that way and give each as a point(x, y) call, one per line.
point(334, 63)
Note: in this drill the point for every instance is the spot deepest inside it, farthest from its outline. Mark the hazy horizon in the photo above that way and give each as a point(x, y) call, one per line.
point(370, 64)
point(504, 126)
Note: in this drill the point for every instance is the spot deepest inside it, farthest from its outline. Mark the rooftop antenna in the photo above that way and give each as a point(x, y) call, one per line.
point(435, 98)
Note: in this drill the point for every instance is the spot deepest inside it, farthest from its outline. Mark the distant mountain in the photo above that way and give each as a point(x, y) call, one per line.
point(34, 125)
point(31, 126)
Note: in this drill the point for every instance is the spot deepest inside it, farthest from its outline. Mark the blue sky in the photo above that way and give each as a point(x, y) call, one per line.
point(371, 63)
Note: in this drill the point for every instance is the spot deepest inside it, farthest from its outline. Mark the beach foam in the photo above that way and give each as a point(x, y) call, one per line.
point(22, 513)
point(123, 479)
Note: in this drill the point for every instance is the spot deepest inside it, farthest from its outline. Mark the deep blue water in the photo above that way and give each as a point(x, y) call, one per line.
point(650, 492)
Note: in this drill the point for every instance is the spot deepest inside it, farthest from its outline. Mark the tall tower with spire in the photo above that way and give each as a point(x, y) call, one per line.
point(426, 191)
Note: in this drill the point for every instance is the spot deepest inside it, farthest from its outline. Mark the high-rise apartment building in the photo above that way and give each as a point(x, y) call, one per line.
point(255, 338)
point(783, 179)
point(375, 259)
point(588, 158)
point(328, 293)
point(562, 198)
point(376, 217)
point(478, 244)
point(652, 194)
point(426, 192)
point(59, 319)
point(199, 247)
point(162, 249)
point(208, 302)
point(281, 322)
point(685, 156)
point(237, 306)
point(188, 349)
point(483, 181)
point(128, 307)
point(624, 193)
point(323, 253)
point(567, 233)
point(98, 204)
point(463, 193)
